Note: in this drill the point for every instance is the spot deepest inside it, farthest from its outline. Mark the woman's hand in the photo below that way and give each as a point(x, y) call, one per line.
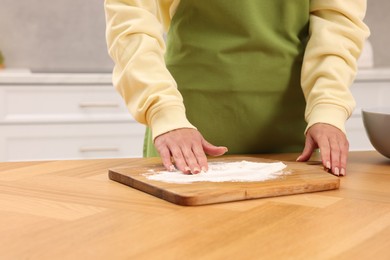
point(333, 145)
point(187, 149)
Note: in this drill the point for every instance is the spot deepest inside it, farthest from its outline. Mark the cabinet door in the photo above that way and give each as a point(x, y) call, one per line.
point(70, 141)
point(61, 103)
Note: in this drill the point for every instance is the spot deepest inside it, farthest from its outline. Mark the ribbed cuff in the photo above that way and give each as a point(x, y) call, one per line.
point(169, 119)
point(328, 114)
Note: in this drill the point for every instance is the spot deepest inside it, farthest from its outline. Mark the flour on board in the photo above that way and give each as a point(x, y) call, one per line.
point(241, 171)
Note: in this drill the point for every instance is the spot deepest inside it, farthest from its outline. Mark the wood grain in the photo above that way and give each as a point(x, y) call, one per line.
point(71, 210)
point(303, 178)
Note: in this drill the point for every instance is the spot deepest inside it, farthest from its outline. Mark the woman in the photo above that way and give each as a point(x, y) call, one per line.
point(237, 73)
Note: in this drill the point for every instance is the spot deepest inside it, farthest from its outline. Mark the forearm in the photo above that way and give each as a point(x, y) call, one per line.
point(135, 43)
point(337, 35)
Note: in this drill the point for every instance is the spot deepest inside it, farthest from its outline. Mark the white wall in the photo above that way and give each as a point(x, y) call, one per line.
point(54, 35)
point(378, 19)
point(68, 35)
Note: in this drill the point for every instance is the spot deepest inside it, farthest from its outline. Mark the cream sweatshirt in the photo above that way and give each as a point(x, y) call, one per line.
point(135, 30)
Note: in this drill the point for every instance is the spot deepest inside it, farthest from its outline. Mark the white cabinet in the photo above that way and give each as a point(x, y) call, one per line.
point(74, 116)
point(370, 89)
point(64, 116)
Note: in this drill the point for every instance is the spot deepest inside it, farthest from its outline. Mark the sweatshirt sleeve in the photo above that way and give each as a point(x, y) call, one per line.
point(135, 42)
point(336, 37)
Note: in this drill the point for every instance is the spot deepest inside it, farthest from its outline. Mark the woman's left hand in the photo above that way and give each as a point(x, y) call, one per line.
point(333, 145)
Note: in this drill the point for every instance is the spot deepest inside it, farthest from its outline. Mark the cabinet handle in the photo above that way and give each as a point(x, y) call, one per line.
point(88, 149)
point(97, 104)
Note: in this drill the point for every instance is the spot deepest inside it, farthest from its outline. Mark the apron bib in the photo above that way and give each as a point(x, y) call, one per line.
point(237, 64)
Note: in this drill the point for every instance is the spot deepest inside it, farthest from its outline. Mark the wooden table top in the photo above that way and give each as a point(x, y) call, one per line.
point(71, 210)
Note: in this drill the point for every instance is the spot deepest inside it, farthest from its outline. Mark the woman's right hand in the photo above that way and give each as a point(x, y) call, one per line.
point(186, 149)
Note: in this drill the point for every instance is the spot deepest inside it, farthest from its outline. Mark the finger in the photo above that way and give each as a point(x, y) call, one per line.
point(179, 160)
point(201, 158)
point(324, 146)
point(191, 160)
point(308, 150)
point(212, 149)
point(166, 158)
point(335, 156)
point(344, 148)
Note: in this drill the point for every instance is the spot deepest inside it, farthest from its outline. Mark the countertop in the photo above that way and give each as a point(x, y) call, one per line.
point(71, 210)
point(27, 77)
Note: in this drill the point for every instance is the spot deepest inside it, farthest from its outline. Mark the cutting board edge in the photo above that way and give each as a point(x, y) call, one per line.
point(199, 200)
point(147, 188)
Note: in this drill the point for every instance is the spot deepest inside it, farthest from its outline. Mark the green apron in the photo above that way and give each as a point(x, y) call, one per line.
point(237, 64)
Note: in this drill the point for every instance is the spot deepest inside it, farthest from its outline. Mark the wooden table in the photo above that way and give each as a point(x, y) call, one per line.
point(70, 210)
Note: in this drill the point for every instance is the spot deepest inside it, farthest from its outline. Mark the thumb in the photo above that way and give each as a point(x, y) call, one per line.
point(310, 146)
point(212, 149)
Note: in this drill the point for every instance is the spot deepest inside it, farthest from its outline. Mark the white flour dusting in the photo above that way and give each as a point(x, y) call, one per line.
point(242, 171)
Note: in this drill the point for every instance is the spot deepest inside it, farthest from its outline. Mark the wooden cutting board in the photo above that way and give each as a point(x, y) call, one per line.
point(304, 178)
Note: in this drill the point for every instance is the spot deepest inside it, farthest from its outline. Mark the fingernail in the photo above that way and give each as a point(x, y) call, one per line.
point(328, 165)
point(204, 169)
point(298, 159)
point(336, 171)
point(342, 172)
point(171, 168)
point(196, 170)
point(187, 170)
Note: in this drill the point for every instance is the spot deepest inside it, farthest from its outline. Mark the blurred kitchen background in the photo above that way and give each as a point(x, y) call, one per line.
point(54, 35)
point(68, 36)
point(57, 101)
